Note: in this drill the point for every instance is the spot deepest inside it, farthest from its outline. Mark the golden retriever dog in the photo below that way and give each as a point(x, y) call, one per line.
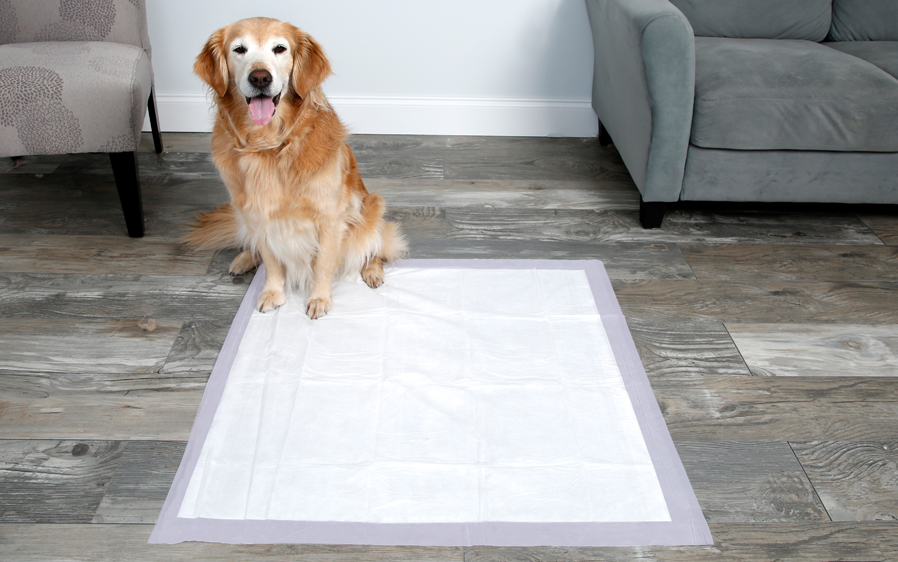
point(298, 204)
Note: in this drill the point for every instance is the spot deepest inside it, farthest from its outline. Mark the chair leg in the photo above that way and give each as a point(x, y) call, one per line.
point(127, 181)
point(604, 137)
point(651, 214)
point(154, 121)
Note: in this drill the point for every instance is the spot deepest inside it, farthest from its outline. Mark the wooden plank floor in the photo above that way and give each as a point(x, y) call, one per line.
point(769, 333)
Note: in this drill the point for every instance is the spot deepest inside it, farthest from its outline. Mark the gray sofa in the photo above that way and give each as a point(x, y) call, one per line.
point(749, 100)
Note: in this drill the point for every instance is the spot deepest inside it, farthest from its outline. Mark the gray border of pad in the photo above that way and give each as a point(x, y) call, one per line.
point(687, 525)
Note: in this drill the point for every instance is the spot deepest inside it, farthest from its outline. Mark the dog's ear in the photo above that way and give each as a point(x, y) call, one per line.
point(211, 65)
point(310, 66)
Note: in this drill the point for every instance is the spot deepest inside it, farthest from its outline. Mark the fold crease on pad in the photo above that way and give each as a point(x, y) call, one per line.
point(476, 402)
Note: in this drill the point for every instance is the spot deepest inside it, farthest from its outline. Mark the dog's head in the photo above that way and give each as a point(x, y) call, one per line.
point(263, 61)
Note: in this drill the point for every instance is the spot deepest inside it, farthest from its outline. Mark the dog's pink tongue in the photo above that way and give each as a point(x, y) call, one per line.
point(261, 108)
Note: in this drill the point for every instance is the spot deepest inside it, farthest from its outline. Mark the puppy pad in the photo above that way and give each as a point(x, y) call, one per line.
point(463, 402)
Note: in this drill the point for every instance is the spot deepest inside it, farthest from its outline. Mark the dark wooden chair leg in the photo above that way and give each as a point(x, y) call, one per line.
point(604, 137)
point(127, 181)
point(154, 121)
point(651, 214)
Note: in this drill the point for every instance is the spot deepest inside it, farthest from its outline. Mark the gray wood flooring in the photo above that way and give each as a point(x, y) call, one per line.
point(769, 333)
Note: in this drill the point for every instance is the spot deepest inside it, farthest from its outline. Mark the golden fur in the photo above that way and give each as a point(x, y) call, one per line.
point(298, 203)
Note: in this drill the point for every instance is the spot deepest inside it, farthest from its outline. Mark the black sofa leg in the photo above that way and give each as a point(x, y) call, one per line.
point(154, 121)
point(652, 213)
point(127, 181)
point(604, 137)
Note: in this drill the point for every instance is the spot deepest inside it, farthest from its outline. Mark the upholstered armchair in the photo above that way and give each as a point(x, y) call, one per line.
point(75, 76)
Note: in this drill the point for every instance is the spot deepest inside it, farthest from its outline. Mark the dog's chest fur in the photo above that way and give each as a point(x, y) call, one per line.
point(282, 204)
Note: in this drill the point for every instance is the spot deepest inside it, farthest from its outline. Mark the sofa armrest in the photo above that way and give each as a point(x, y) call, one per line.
point(643, 88)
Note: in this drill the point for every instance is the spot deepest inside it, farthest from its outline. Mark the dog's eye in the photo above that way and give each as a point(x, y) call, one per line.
point(240, 49)
point(279, 49)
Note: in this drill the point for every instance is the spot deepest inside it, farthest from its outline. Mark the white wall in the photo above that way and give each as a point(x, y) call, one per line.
point(451, 67)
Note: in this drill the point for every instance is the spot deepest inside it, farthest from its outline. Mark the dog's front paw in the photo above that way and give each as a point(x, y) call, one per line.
point(270, 300)
point(318, 307)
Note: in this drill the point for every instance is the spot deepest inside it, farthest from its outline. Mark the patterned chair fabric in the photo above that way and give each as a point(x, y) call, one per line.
point(75, 76)
point(75, 96)
point(113, 21)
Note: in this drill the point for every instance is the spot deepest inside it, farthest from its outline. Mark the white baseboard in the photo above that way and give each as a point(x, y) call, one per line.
point(418, 116)
point(186, 113)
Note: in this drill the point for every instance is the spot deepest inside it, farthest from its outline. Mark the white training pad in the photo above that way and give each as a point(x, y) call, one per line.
point(465, 402)
point(446, 395)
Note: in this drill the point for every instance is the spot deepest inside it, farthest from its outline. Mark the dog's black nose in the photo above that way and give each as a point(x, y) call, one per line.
point(260, 78)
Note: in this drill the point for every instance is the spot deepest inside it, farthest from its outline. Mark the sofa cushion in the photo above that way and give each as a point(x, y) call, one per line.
point(766, 19)
point(790, 176)
point(766, 94)
point(864, 20)
point(883, 54)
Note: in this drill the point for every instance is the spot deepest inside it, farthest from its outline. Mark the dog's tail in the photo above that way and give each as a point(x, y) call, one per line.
point(371, 238)
point(395, 245)
point(215, 230)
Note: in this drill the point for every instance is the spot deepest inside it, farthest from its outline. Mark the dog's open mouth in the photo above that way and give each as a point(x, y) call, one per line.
point(262, 108)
